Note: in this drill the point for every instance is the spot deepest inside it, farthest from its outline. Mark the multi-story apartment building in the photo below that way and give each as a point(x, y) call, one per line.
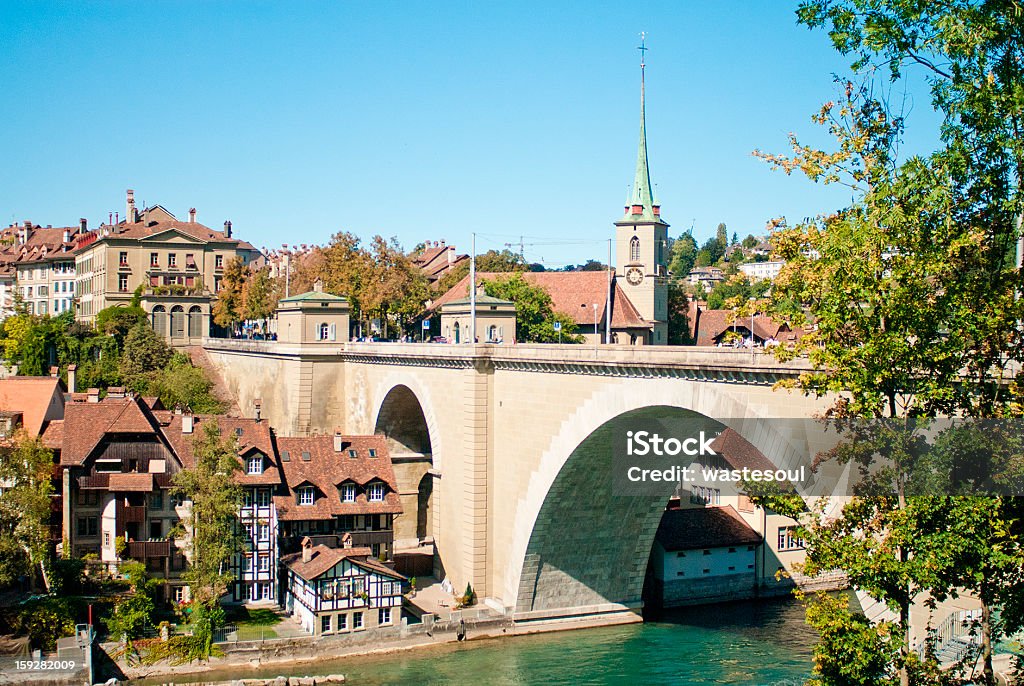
point(44, 266)
point(117, 469)
point(255, 567)
point(338, 485)
point(178, 264)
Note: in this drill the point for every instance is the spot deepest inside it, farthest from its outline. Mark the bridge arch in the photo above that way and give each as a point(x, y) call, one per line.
point(410, 426)
point(579, 548)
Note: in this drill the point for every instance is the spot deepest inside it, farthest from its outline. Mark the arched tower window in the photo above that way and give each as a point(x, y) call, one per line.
point(634, 249)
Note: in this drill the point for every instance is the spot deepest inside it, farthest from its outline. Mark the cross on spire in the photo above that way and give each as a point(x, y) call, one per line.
point(643, 48)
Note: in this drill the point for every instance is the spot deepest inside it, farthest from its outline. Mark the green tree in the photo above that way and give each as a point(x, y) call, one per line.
point(145, 354)
point(722, 236)
point(210, 525)
point(130, 617)
point(181, 384)
point(683, 255)
point(394, 288)
point(917, 325)
point(118, 321)
point(678, 315)
point(535, 318)
point(229, 307)
point(750, 241)
point(259, 295)
point(26, 470)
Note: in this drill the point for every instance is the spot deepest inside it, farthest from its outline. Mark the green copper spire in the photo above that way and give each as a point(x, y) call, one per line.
point(641, 197)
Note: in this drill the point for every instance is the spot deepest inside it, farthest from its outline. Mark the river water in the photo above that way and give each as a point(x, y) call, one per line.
point(755, 643)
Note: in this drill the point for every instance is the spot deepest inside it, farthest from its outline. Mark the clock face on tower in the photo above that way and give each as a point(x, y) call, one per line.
point(634, 276)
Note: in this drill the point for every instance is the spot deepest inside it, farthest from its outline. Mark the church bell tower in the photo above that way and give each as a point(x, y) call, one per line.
point(641, 237)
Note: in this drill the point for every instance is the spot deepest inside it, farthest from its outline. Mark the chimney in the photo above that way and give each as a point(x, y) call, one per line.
point(83, 225)
point(451, 255)
point(117, 217)
point(55, 371)
point(191, 215)
point(94, 395)
point(318, 286)
point(72, 368)
point(346, 540)
point(307, 549)
point(227, 229)
point(337, 441)
point(259, 407)
point(187, 423)
point(116, 392)
point(129, 214)
point(67, 235)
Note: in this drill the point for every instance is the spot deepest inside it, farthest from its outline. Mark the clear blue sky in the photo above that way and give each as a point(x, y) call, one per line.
point(421, 120)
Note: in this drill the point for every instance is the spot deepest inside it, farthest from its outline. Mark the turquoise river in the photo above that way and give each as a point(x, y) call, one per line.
point(763, 643)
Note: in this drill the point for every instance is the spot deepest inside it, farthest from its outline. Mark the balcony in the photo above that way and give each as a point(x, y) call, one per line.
point(141, 550)
point(94, 481)
point(134, 514)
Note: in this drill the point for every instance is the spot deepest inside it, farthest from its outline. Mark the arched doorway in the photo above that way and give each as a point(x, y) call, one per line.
point(457, 339)
point(159, 320)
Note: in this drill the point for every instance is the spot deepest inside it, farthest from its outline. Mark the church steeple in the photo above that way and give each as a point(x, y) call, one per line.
point(642, 200)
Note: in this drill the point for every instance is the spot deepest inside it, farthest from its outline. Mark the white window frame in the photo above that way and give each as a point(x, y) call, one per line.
point(263, 497)
point(375, 492)
point(384, 616)
point(348, 493)
point(306, 495)
point(264, 562)
point(264, 532)
point(256, 465)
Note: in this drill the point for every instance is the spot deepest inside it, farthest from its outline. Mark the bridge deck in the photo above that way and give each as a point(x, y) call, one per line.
point(626, 357)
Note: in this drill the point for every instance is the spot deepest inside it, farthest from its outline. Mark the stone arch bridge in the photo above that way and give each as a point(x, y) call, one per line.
point(501, 452)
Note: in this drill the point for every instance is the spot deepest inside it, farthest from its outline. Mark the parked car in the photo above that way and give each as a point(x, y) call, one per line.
point(438, 339)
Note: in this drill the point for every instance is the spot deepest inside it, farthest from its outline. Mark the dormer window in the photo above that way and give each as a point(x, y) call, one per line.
point(376, 492)
point(306, 495)
point(348, 493)
point(256, 464)
point(353, 453)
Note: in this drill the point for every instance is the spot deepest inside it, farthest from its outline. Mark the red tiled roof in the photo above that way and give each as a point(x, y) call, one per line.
point(695, 528)
point(253, 435)
point(572, 294)
point(46, 244)
point(86, 423)
point(30, 395)
point(434, 262)
point(324, 558)
point(200, 232)
point(327, 469)
point(739, 452)
point(53, 435)
point(711, 324)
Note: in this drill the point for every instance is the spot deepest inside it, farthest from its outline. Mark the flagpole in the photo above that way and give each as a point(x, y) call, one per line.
point(472, 291)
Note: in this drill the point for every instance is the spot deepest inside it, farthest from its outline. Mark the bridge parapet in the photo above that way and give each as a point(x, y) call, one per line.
point(690, 362)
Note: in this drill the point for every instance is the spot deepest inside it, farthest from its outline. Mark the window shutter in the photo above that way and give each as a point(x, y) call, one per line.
point(334, 331)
